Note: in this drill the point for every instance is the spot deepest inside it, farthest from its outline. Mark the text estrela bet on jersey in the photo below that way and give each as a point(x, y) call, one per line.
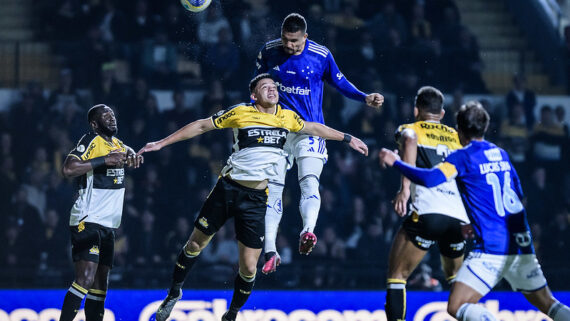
point(299, 78)
point(435, 141)
point(101, 190)
point(258, 139)
point(491, 191)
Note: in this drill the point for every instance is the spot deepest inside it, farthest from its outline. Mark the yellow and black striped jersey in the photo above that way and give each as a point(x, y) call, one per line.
point(435, 142)
point(258, 139)
point(101, 190)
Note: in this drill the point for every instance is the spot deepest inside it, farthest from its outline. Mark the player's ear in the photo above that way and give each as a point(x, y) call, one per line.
point(441, 114)
point(306, 36)
point(416, 112)
point(253, 96)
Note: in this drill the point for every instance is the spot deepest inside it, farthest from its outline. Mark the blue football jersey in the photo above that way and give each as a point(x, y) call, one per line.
point(492, 194)
point(300, 77)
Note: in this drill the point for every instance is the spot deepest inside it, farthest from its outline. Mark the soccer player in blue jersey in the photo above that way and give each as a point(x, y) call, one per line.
point(300, 67)
point(491, 191)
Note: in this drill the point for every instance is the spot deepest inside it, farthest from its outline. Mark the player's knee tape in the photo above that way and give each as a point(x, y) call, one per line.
point(247, 277)
point(451, 279)
point(190, 254)
point(310, 203)
point(473, 312)
point(559, 312)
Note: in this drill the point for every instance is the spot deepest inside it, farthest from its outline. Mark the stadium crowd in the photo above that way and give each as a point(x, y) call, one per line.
point(389, 46)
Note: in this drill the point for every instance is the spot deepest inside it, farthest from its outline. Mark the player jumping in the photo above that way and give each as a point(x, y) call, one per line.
point(300, 67)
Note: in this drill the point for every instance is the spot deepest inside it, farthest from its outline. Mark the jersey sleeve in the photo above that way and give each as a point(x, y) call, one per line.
point(423, 176)
point(454, 165)
point(334, 77)
point(225, 118)
point(261, 61)
point(293, 121)
point(84, 147)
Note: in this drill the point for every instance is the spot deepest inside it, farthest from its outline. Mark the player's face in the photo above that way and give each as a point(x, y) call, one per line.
point(293, 42)
point(266, 93)
point(107, 123)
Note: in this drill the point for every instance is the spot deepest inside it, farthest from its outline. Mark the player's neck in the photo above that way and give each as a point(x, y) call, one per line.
point(270, 109)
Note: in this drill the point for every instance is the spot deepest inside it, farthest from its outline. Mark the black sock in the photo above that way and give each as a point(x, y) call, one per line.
point(242, 290)
point(396, 300)
point(72, 302)
point(182, 267)
point(95, 305)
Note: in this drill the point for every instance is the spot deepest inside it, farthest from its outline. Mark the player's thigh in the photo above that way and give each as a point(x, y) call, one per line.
point(542, 299)
point(214, 212)
point(249, 214)
point(524, 273)
point(482, 271)
point(248, 258)
point(450, 265)
point(307, 146)
point(404, 256)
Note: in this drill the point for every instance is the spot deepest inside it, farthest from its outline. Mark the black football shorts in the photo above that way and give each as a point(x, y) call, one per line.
point(428, 229)
point(247, 206)
point(92, 242)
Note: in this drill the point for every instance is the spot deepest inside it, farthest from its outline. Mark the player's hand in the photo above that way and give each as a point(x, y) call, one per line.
point(400, 201)
point(358, 146)
point(388, 157)
point(134, 160)
point(116, 159)
point(149, 147)
point(374, 100)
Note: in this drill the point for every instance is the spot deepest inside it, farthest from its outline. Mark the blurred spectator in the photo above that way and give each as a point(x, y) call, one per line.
point(221, 61)
point(557, 239)
point(209, 29)
point(547, 139)
point(65, 94)
point(141, 24)
point(107, 91)
point(53, 242)
point(514, 134)
point(521, 95)
point(147, 250)
point(159, 61)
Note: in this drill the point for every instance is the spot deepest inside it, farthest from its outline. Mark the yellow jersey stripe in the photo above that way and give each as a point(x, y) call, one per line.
point(447, 169)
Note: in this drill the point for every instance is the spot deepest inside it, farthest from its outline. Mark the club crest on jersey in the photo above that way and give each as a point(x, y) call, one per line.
point(204, 222)
point(94, 250)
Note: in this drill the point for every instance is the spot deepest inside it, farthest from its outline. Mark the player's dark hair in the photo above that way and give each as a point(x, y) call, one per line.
point(294, 22)
point(429, 99)
point(256, 79)
point(95, 111)
point(473, 120)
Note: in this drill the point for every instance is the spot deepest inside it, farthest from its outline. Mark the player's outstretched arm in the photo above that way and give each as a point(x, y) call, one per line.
point(422, 176)
point(326, 132)
point(408, 142)
point(193, 129)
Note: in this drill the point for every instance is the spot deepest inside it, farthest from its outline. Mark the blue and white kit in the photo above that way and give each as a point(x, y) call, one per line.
point(492, 193)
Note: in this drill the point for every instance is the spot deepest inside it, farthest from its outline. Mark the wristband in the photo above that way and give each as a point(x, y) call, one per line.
point(97, 161)
point(347, 138)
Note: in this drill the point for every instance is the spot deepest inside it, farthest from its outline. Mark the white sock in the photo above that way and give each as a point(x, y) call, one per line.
point(559, 312)
point(309, 169)
point(273, 215)
point(474, 312)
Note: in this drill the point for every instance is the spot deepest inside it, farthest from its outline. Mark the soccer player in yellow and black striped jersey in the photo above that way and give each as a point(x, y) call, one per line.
point(436, 214)
point(98, 160)
point(260, 131)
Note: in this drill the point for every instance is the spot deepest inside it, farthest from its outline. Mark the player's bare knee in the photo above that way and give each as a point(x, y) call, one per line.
point(194, 247)
point(86, 279)
point(248, 271)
